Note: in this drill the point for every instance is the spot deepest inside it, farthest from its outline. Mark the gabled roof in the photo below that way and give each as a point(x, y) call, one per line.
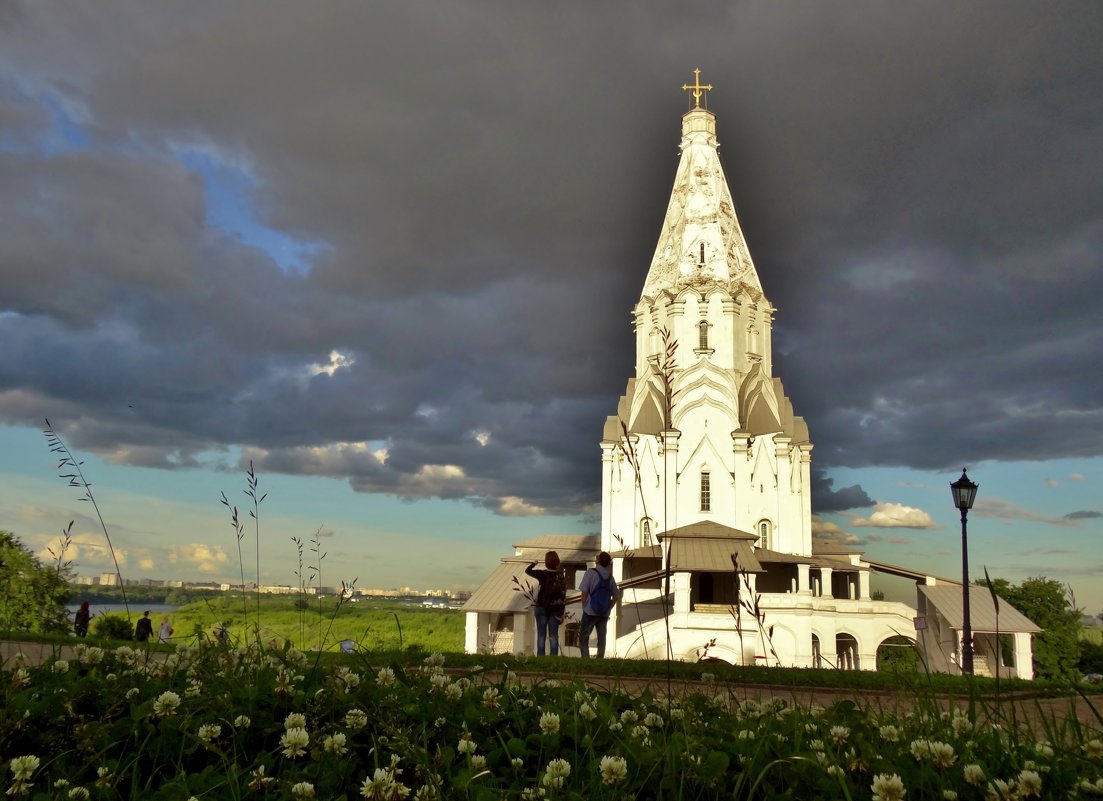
point(497, 593)
point(551, 542)
point(712, 555)
point(947, 599)
point(701, 212)
point(706, 529)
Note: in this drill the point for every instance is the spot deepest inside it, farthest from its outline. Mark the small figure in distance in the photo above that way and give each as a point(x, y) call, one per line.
point(82, 619)
point(599, 594)
point(144, 628)
point(550, 602)
point(164, 631)
point(222, 634)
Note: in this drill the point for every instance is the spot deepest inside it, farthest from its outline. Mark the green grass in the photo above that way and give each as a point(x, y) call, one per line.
point(372, 625)
point(1092, 634)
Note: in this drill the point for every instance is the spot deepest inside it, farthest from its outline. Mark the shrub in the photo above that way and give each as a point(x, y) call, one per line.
point(112, 627)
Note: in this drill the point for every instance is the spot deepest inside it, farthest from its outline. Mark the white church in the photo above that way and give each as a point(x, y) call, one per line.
point(706, 491)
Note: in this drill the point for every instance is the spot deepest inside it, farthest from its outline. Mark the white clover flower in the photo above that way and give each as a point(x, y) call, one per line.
point(478, 761)
point(385, 677)
point(194, 689)
point(640, 732)
point(889, 734)
point(939, 754)
point(294, 742)
point(549, 723)
point(466, 745)
point(20, 678)
point(61, 784)
point(1094, 748)
point(132, 693)
point(615, 725)
point(949, 795)
point(348, 678)
point(613, 769)
point(556, 773)
point(1043, 748)
point(79, 793)
point(166, 704)
point(587, 712)
point(974, 774)
point(435, 659)
point(384, 786)
point(242, 722)
point(490, 697)
point(23, 766)
point(60, 666)
point(677, 713)
point(112, 676)
point(628, 716)
point(839, 734)
point(999, 790)
point(887, 787)
point(517, 762)
point(438, 682)
point(453, 691)
point(1030, 784)
point(653, 720)
point(532, 793)
point(258, 781)
point(335, 744)
point(817, 745)
point(549, 683)
point(209, 732)
point(302, 790)
point(295, 720)
point(835, 770)
point(356, 719)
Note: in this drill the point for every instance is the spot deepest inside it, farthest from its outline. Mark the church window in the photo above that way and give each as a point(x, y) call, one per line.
point(752, 339)
point(764, 534)
point(703, 335)
point(645, 533)
point(706, 492)
point(701, 257)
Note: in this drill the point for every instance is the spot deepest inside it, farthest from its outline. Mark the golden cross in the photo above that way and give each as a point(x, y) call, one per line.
point(698, 88)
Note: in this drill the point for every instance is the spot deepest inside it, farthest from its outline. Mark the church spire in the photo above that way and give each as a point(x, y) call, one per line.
point(701, 240)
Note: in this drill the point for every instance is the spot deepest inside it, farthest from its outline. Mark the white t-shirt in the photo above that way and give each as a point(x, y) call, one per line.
point(590, 580)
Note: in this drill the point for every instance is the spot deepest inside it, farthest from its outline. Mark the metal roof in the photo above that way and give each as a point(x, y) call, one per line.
point(768, 556)
point(707, 529)
point(947, 600)
point(711, 555)
point(553, 542)
point(497, 593)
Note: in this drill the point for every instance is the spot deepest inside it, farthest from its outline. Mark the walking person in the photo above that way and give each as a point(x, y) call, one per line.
point(144, 628)
point(550, 602)
point(599, 594)
point(82, 619)
point(164, 631)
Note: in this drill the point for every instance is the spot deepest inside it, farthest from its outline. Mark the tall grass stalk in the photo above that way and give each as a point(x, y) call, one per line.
point(239, 534)
point(253, 482)
point(66, 461)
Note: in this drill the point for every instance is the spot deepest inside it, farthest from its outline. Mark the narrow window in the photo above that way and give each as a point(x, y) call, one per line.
point(764, 534)
point(703, 335)
point(701, 259)
point(645, 533)
point(706, 492)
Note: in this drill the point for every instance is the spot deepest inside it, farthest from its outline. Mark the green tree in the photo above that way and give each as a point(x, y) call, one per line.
point(1046, 602)
point(32, 595)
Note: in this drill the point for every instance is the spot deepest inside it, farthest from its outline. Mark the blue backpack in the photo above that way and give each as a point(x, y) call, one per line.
point(601, 596)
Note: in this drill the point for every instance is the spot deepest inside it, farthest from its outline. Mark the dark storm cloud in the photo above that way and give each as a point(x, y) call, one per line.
point(482, 187)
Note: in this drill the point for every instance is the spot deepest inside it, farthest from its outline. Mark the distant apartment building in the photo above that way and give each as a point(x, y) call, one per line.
point(109, 580)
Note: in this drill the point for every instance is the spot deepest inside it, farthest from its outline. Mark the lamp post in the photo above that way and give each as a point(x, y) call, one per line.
point(964, 492)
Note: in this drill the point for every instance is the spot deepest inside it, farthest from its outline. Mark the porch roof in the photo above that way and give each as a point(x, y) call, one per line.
point(947, 600)
point(689, 554)
point(497, 593)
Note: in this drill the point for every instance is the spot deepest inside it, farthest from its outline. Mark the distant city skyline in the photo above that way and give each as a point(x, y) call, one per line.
point(388, 257)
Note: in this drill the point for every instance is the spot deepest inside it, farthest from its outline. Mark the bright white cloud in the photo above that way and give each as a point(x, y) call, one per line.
point(896, 515)
point(512, 506)
point(204, 558)
point(1076, 476)
point(337, 361)
point(826, 530)
point(482, 437)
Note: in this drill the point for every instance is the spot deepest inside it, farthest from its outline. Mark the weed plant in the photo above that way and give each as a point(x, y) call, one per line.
point(223, 723)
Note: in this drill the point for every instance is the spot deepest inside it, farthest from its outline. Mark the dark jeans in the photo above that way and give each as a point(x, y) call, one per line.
point(589, 623)
point(547, 628)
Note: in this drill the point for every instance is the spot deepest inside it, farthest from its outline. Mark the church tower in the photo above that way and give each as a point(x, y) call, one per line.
point(704, 431)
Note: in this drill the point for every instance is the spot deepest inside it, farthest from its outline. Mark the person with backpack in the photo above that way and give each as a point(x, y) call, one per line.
point(599, 593)
point(550, 602)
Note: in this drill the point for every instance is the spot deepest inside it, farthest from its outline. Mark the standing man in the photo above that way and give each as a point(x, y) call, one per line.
point(144, 629)
point(599, 593)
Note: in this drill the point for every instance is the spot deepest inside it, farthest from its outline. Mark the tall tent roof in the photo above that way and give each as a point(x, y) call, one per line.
point(701, 239)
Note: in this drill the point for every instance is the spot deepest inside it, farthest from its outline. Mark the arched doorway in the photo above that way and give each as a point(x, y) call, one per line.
point(898, 654)
point(847, 649)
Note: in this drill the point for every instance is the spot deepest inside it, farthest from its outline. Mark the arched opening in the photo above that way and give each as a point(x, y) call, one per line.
point(645, 532)
point(846, 649)
point(765, 531)
point(703, 335)
point(817, 660)
point(898, 654)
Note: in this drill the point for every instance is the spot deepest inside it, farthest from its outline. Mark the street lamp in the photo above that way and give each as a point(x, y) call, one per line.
point(965, 491)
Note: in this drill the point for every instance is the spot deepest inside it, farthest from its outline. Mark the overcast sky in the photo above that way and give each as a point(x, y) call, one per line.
point(394, 245)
